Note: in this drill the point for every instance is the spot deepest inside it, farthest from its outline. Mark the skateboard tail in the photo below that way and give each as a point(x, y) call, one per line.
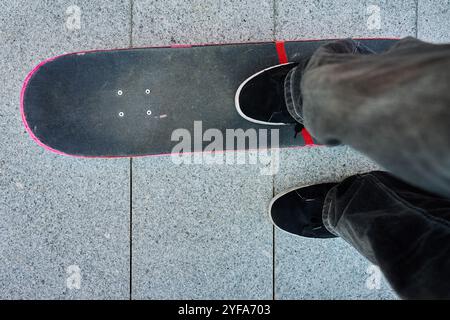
point(22, 106)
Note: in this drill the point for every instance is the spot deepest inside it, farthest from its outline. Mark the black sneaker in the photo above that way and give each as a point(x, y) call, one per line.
point(299, 211)
point(261, 98)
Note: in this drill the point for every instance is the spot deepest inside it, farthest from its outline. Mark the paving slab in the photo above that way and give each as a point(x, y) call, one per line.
point(316, 268)
point(200, 231)
point(433, 20)
point(325, 269)
point(329, 19)
point(64, 222)
point(198, 21)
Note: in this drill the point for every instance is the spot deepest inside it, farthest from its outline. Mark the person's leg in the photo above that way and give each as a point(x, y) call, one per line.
point(400, 228)
point(394, 107)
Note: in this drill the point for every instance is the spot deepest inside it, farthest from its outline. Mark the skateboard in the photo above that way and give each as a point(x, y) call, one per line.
point(145, 101)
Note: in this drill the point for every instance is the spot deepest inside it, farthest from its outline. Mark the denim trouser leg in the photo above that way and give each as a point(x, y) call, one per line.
point(393, 107)
point(402, 229)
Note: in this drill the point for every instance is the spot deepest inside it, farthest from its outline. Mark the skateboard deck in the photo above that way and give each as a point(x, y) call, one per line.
point(129, 102)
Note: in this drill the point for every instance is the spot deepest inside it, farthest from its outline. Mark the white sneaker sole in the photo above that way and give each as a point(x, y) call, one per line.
point(238, 93)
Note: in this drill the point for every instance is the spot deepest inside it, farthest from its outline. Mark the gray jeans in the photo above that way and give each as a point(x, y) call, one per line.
point(395, 108)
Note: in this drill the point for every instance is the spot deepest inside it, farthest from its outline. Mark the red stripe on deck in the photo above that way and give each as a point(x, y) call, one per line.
point(281, 50)
point(307, 137)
